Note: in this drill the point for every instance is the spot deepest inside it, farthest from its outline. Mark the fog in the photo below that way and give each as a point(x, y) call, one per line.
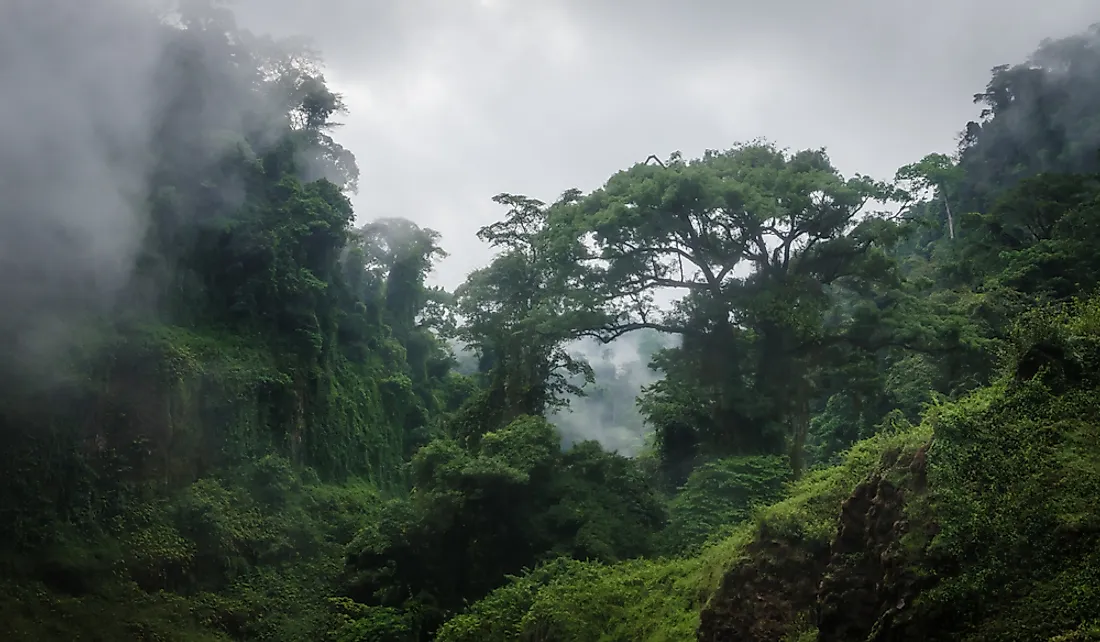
point(608, 412)
point(104, 99)
point(76, 125)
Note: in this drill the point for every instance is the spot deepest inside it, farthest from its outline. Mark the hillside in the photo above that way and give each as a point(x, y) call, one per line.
point(978, 523)
point(230, 412)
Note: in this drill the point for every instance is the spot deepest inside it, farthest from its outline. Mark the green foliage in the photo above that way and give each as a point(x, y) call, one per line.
point(937, 172)
point(606, 506)
point(659, 600)
point(255, 556)
point(521, 309)
point(32, 612)
point(719, 496)
point(476, 515)
point(785, 279)
point(267, 439)
point(357, 623)
point(1016, 471)
point(570, 600)
point(870, 400)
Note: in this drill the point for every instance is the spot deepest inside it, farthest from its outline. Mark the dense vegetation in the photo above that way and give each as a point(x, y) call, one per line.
point(867, 424)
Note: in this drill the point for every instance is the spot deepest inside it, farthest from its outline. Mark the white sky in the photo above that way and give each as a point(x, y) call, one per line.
point(453, 101)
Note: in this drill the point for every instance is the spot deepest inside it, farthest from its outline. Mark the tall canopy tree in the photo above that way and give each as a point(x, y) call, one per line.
point(935, 172)
point(758, 239)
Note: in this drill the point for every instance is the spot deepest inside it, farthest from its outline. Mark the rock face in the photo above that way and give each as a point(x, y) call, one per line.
point(858, 587)
point(761, 600)
point(852, 593)
point(869, 581)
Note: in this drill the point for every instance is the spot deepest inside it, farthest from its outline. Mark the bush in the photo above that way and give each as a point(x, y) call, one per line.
point(719, 495)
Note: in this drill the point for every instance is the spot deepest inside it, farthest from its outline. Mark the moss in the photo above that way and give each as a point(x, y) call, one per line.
point(1013, 476)
point(811, 510)
point(572, 600)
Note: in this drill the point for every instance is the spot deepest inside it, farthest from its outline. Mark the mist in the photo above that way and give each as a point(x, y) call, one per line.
point(76, 125)
point(608, 412)
point(110, 107)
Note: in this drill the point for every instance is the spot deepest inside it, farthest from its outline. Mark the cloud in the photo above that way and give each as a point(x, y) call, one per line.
point(99, 95)
point(456, 100)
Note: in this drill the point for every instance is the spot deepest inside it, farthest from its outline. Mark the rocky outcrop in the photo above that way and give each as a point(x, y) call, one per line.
point(870, 579)
point(762, 599)
point(858, 587)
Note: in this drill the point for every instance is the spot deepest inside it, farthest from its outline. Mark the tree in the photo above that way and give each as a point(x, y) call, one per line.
point(400, 254)
point(1038, 116)
point(520, 311)
point(757, 239)
point(477, 514)
point(933, 172)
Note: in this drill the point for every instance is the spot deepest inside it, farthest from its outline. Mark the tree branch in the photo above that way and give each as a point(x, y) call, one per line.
point(609, 333)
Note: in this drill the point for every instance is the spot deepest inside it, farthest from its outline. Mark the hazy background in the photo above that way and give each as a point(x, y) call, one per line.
point(76, 126)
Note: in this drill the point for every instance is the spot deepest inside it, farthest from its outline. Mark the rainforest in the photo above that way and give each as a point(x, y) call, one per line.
point(231, 411)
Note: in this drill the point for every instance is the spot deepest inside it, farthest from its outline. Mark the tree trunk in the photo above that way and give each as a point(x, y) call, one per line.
point(950, 218)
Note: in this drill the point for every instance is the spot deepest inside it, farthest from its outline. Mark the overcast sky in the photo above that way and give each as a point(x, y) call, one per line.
point(453, 101)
